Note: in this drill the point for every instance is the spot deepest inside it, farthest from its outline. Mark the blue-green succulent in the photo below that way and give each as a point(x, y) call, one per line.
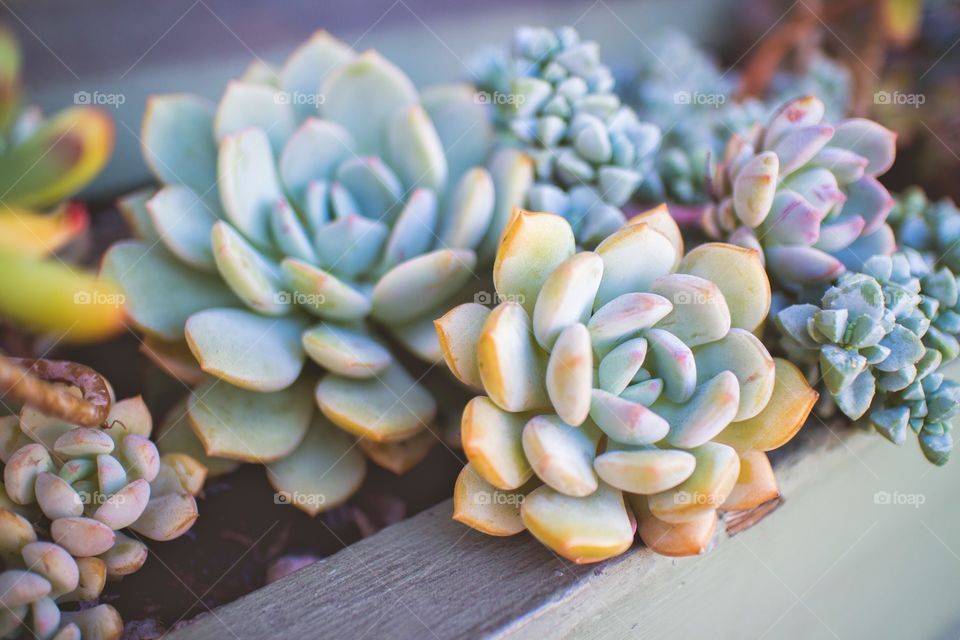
point(553, 98)
point(880, 338)
point(323, 212)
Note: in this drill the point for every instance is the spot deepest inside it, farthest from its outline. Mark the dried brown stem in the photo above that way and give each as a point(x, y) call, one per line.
point(740, 521)
point(30, 382)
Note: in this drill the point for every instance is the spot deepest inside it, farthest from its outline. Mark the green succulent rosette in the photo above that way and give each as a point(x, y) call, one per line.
point(880, 338)
point(553, 98)
point(323, 213)
point(68, 495)
point(805, 194)
point(619, 383)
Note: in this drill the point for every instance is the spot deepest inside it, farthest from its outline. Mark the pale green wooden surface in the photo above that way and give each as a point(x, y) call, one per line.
point(830, 563)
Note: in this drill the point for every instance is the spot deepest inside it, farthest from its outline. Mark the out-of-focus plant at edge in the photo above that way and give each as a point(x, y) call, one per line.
point(42, 163)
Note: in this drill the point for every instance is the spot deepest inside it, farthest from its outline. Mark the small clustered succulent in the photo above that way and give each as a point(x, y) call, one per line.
point(805, 194)
point(68, 493)
point(553, 98)
point(313, 210)
point(932, 228)
point(881, 337)
point(617, 381)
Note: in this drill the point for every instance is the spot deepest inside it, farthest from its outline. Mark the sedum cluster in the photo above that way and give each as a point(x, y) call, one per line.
point(932, 228)
point(553, 99)
point(323, 212)
point(622, 389)
point(880, 338)
point(86, 485)
point(805, 193)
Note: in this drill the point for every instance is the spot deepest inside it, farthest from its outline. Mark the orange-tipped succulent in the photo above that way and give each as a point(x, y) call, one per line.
point(622, 390)
point(78, 471)
point(43, 162)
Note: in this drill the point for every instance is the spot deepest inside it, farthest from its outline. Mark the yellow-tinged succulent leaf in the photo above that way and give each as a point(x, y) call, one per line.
point(481, 506)
point(459, 332)
point(622, 271)
point(167, 517)
point(566, 297)
point(491, 440)
point(756, 483)
point(324, 471)
point(93, 577)
point(660, 219)
point(402, 455)
point(101, 622)
point(49, 297)
point(128, 417)
point(533, 245)
point(643, 470)
point(562, 455)
point(570, 374)
point(902, 19)
point(744, 355)
point(790, 404)
point(712, 481)
point(415, 286)
point(188, 471)
point(230, 421)
point(387, 407)
point(698, 420)
point(36, 235)
point(739, 274)
point(583, 530)
point(676, 540)
point(58, 160)
point(512, 367)
point(347, 351)
point(700, 313)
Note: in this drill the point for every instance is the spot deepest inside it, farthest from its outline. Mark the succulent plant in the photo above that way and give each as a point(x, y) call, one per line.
point(310, 212)
point(43, 162)
point(932, 228)
point(880, 337)
point(805, 193)
point(553, 98)
point(82, 485)
point(626, 379)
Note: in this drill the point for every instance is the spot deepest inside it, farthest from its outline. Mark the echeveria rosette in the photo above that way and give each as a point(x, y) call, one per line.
point(618, 383)
point(309, 212)
point(83, 487)
point(553, 99)
point(880, 338)
point(806, 194)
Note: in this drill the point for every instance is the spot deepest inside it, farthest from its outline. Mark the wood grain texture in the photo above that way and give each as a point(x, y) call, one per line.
point(821, 566)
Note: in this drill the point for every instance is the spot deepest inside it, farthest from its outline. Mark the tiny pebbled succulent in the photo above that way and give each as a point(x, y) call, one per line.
point(806, 194)
point(880, 338)
point(553, 98)
point(313, 210)
point(623, 389)
point(932, 228)
point(85, 485)
point(42, 163)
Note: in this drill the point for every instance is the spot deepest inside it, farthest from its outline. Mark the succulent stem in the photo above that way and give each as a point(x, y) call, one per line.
point(29, 381)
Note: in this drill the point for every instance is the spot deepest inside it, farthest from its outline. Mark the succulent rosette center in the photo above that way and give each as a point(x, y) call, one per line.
point(625, 380)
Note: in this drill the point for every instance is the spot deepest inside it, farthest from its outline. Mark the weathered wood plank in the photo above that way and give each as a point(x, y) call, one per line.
point(830, 562)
